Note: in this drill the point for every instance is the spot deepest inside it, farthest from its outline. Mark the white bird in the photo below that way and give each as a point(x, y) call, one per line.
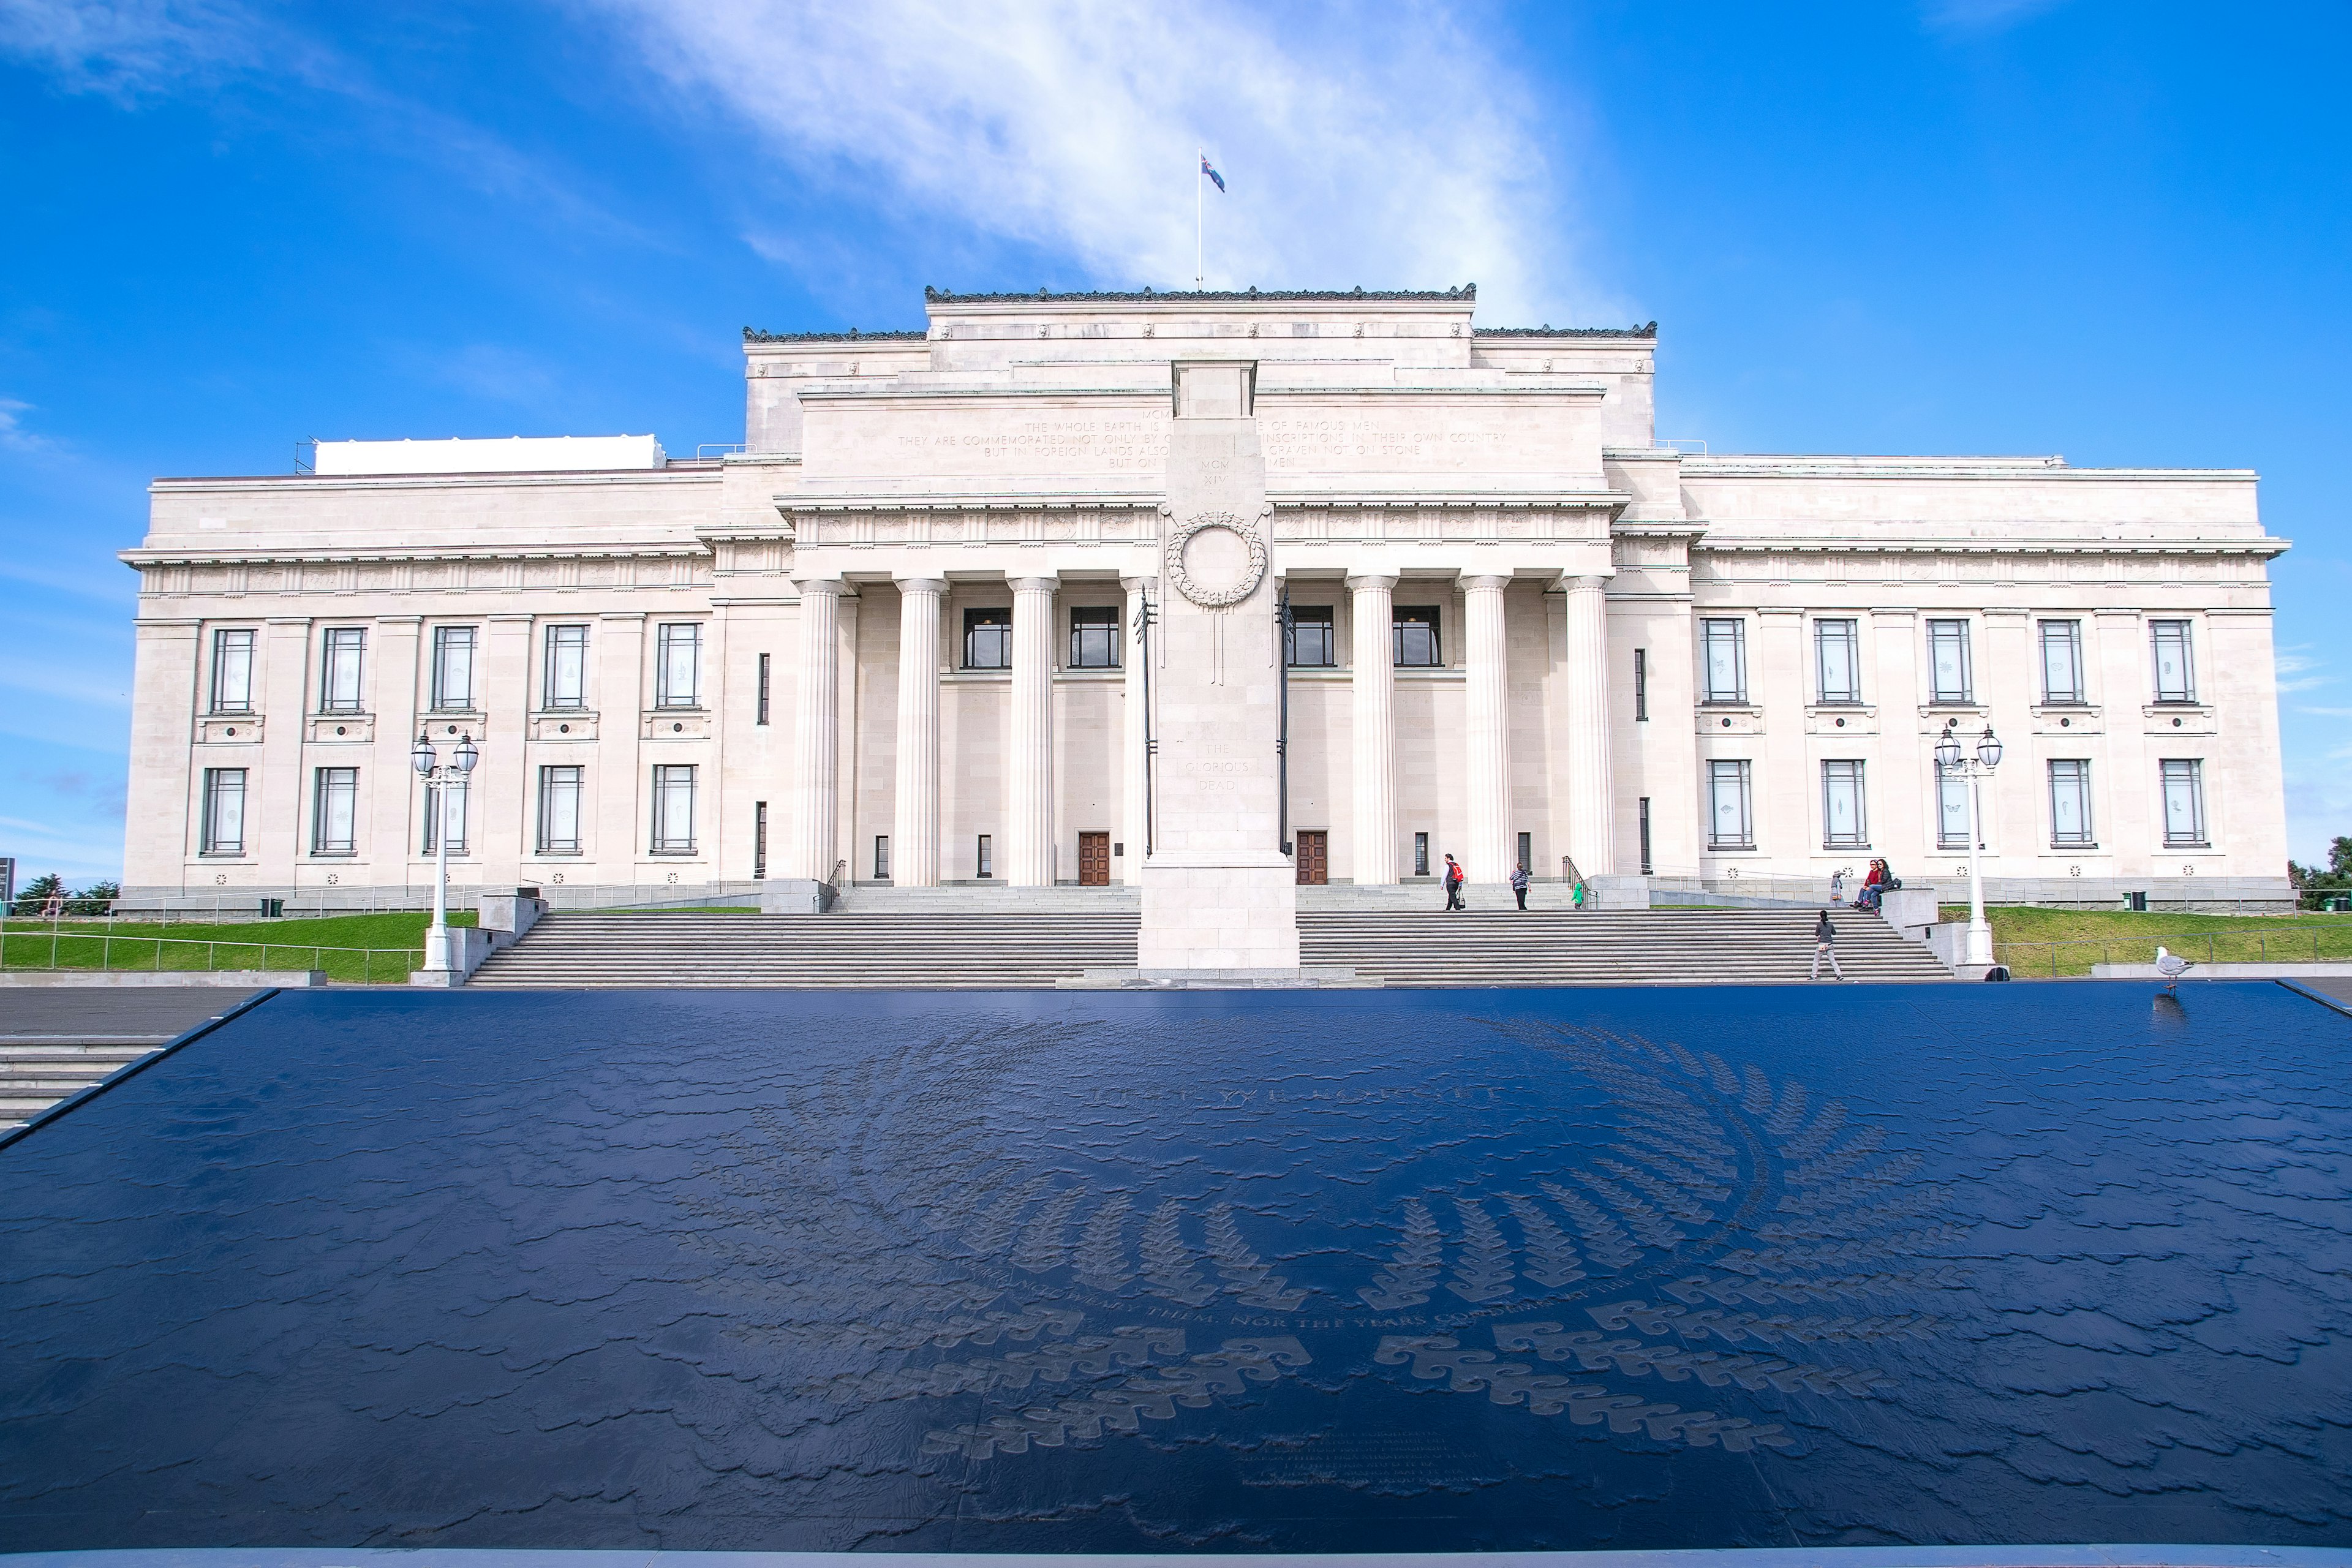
point(2172, 966)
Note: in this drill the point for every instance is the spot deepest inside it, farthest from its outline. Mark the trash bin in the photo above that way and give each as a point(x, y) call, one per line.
point(271, 909)
point(2341, 904)
point(2137, 902)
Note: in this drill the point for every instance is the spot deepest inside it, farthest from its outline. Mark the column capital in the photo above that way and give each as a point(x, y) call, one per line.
point(1369, 582)
point(1485, 581)
point(1581, 582)
point(921, 584)
point(1042, 582)
point(1138, 585)
point(830, 587)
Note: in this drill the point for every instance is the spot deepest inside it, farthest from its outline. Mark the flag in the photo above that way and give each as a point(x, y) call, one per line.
point(1212, 173)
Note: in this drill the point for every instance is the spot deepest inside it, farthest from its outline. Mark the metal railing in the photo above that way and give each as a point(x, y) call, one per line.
point(2285, 944)
point(51, 944)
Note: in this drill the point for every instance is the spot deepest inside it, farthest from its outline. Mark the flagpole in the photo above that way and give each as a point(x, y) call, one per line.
point(1200, 221)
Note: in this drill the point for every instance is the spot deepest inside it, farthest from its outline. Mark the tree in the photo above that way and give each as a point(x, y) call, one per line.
point(98, 899)
point(2313, 884)
point(38, 892)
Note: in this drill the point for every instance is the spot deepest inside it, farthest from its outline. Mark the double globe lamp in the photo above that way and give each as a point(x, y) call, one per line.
point(431, 768)
point(1950, 759)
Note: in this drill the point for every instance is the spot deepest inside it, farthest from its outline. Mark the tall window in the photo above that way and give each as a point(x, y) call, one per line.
point(762, 717)
point(2184, 803)
point(674, 809)
point(678, 665)
point(1947, 662)
point(986, 857)
point(2070, 804)
point(338, 675)
point(2176, 663)
point(233, 671)
point(1527, 850)
point(221, 831)
point(1312, 645)
point(452, 668)
point(1645, 835)
point(559, 811)
point(1844, 823)
point(1094, 636)
point(881, 857)
point(566, 680)
point(2062, 662)
point(1731, 820)
point(1951, 809)
point(1421, 854)
point(461, 804)
point(1414, 631)
point(1837, 660)
point(760, 838)
point(1724, 659)
point(988, 640)
point(1641, 683)
point(335, 811)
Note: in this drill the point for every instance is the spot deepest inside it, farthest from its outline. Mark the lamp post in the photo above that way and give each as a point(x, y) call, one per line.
point(435, 772)
point(1948, 756)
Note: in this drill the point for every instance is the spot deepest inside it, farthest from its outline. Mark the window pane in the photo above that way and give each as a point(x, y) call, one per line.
point(1948, 643)
point(461, 801)
point(2061, 661)
point(1841, 674)
point(2070, 802)
point(224, 820)
point(340, 686)
point(1311, 643)
point(567, 666)
point(233, 672)
point(677, 667)
point(674, 808)
point(559, 810)
point(453, 667)
point(1726, 660)
point(335, 811)
point(2184, 803)
point(2176, 675)
point(1951, 810)
point(1843, 825)
point(1094, 637)
point(1415, 631)
point(1729, 825)
point(1642, 683)
point(988, 640)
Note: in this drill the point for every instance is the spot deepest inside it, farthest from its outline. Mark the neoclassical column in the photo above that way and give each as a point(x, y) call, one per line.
point(915, 808)
point(816, 731)
point(1487, 741)
point(1372, 850)
point(1029, 770)
point(1592, 835)
point(1134, 806)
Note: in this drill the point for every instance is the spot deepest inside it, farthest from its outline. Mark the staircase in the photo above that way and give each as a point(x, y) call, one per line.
point(37, 1072)
point(1634, 947)
point(895, 951)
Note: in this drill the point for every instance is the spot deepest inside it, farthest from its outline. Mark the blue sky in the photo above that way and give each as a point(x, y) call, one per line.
point(2117, 232)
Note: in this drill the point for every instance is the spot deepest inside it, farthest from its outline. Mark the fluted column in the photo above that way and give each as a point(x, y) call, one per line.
point(816, 731)
point(1029, 771)
point(1487, 741)
point(1592, 835)
point(915, 808)
point(1134, 805)
point(1372, 847)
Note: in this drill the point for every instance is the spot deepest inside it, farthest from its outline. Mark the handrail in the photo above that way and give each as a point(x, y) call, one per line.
point(60, 948)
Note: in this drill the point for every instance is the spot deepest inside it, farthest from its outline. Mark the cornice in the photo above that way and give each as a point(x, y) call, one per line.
point(685, 471)
point(752, 335)
point(340, 555)
point(1466, 294)
point(1648, 329)
point(1504, 501)
point(2041, 470)
point(2264, 547)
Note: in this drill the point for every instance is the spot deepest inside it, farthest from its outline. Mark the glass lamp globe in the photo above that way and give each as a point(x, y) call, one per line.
point(1988, 748)
point(1947, 751)
point(420, 756)
point(467, 754)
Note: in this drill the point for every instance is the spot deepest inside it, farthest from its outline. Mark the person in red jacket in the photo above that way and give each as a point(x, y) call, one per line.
point(1454, 885)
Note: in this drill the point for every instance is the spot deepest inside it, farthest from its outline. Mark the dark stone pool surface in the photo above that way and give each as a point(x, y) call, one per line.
point(1350, 1271)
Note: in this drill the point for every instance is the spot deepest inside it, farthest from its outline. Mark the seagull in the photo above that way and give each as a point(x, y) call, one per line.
point(2171, 966)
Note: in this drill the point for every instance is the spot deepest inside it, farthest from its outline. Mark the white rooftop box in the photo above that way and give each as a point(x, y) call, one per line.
point(514, 454)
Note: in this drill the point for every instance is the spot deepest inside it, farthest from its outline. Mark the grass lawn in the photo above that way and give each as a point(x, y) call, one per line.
point(2024, 938)
point(244, 944)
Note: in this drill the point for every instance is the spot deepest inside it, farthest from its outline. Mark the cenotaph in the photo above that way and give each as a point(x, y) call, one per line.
point(1219, 890)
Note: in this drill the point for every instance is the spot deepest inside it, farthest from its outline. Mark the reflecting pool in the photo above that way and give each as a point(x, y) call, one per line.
point(1218, 1272)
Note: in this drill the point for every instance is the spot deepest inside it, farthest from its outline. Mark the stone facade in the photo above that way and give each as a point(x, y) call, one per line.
point(894, 633)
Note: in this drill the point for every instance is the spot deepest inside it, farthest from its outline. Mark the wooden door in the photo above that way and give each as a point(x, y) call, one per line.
point(1313, 853)
point(1094, 860)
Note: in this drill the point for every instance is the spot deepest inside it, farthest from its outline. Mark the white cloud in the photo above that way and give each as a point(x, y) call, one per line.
point(126, 46)
point(1390, 148)
point(13, 436)
point(2298, 671)
point(1984, 16)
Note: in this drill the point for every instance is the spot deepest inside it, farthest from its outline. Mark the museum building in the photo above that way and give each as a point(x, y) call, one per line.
point(902, 634)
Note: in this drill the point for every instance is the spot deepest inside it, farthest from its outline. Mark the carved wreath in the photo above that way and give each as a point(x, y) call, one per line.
point(1216, 598)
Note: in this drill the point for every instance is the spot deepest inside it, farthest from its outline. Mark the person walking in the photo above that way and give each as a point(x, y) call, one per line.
point(1519, 880)
point(1454, 885)
point(1825, 946)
